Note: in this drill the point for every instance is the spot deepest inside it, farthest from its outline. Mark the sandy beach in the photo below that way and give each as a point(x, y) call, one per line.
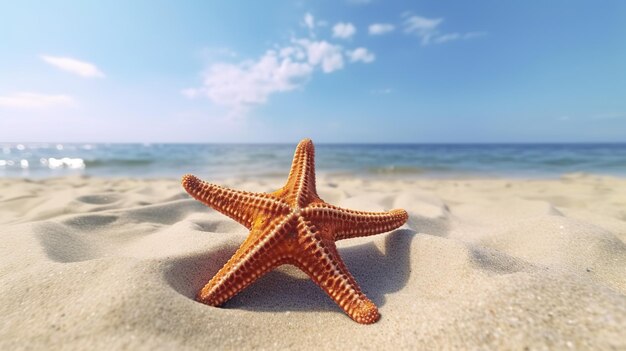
point(105, 263)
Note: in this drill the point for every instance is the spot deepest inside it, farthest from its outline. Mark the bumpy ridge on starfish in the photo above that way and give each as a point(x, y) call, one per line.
point(351, 224)
point(242, 206)
point(292, 226)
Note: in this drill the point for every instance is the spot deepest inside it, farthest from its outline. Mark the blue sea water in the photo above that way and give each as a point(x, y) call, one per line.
point(217, 161)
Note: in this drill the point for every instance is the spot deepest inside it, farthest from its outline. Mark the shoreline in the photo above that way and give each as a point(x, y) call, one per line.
point(341, 175)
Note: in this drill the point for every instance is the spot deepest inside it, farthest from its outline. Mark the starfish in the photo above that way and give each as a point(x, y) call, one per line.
point(292, 226)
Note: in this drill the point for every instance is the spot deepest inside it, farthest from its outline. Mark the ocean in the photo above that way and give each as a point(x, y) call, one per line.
point(218, 161)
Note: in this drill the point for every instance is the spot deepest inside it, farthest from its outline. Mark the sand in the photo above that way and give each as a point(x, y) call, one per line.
point(102, 264)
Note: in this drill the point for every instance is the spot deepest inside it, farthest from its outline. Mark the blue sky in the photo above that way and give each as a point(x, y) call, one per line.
point(335, 71)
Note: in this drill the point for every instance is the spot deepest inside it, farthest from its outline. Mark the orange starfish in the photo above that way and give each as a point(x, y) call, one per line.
point(292, 226)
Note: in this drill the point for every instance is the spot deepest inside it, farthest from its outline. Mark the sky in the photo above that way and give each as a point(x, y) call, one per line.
point(334, 71)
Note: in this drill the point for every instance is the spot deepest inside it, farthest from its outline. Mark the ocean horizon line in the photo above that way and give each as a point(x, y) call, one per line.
point(478, 143)
point(158, 159)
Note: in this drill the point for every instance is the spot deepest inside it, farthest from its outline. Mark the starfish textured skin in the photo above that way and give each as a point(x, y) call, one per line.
point(292, 226)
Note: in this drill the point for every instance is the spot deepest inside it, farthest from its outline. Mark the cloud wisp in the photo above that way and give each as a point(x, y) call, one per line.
point(309, 21)
point(362, 55)
point(29, 100)
point(424, 28)
point(457, 36)
point(71, 65)
point(380, 28)
point(427, 29)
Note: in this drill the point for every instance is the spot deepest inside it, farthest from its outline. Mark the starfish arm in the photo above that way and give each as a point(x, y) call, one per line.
point(242, 206)
point(300, 187)
point(321, 262)
point(261, 252)
point(347, 224)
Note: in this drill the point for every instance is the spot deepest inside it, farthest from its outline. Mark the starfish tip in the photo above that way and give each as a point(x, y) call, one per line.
point(189, 181)
point(366, 313)
point(305, 143)
point(401, 213)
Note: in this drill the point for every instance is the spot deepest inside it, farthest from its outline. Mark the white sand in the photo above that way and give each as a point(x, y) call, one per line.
point(113, 264)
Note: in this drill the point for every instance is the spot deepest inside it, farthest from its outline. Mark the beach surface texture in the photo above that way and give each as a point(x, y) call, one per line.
point(108, 264)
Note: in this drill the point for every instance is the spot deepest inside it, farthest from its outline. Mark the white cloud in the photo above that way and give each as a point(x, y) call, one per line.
point(240, 86)
point(424, 28)
point(35, 100)
point(81, 68)
point(380, 28)
point(361, 54)
point(297, 52)
point(322, 53)
point(251, 82)
point(343, 30)
point(309, 20)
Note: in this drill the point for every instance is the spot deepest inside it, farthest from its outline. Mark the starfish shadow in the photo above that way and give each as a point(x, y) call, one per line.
point(288, 289)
